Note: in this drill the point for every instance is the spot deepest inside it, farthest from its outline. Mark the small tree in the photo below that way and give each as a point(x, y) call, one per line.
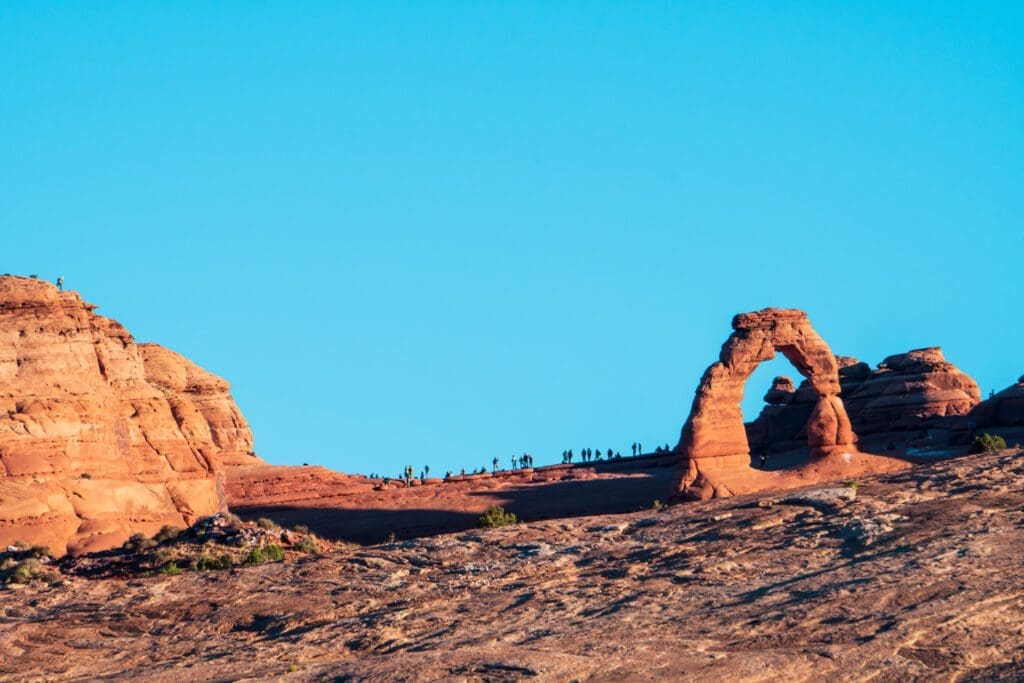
point(494, 517)
point(988, 443)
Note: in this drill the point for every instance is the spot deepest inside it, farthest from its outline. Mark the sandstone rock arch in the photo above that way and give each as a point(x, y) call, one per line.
point(715, 453)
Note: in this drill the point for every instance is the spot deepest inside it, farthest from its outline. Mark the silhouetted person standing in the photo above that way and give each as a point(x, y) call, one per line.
point(60, 283)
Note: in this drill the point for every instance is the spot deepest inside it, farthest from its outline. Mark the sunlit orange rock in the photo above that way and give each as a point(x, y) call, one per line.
point(101, 437)
point(715, 454)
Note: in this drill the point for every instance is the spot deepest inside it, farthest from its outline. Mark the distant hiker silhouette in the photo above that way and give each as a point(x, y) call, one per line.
point(60, 283)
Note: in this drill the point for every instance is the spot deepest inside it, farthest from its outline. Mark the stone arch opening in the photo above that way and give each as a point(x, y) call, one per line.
point(775, 409)
point(713, 445)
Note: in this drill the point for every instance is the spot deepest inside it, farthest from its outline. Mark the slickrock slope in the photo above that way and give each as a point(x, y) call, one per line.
point(354, 508)
point(918, 578)
point(101, 437)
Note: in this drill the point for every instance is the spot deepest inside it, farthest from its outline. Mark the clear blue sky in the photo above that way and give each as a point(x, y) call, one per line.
point(440, 232)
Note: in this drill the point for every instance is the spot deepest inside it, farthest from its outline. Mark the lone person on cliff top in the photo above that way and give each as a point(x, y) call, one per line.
point(60, 283)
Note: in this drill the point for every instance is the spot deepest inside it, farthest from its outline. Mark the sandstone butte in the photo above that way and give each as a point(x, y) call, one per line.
point(101, 437)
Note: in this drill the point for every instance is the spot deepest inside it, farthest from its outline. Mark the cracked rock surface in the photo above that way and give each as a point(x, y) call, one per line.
point(920, 576)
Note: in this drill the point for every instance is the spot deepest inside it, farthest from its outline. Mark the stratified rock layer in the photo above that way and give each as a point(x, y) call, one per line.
point(914, 399)
point(910, 391)
point(714, 447)
point(100, 437)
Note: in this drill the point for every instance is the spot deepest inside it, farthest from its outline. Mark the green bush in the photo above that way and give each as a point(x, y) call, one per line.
point(851, 485)
point(259, 555)
point(206, 563)
point(26, 570)
point(170, 569)
point(308, 545)
point(658, 505)
point(494, 517)
point(987, 443)
point(265, 523)
point(255, 556)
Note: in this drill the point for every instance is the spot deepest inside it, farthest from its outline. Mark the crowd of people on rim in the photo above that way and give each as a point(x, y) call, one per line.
point(522, 462)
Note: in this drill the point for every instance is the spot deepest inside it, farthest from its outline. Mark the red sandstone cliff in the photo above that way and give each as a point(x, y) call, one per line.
point(101, 437)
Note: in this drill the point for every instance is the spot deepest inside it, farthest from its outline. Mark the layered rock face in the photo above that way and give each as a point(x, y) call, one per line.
point(910, 391)
point(910, 399)
point(1001, 414)
point(100, 437)
point(1005, 409)
point(714, 447)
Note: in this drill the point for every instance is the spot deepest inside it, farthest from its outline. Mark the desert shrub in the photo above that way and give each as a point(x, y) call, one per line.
point(207, 563)
point(987, 443)
point(168, 532)
point(851, 485)
point(133, 542)
point(170, 569)
point(232, 519)
point(301, 528)
point(494, 517)
point(265, 523)
point(255, 556)
point(25, 570)
point(39, 551)
point(259, 555)
point(86, 475)
point(308, 545)
point(658, 505)
point(164, 555)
